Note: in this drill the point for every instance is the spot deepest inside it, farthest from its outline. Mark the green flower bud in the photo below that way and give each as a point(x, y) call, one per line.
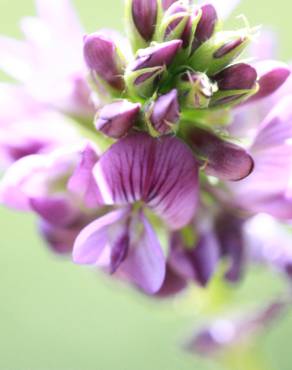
point(219, 51)
point(195, 90)
point(143, 82)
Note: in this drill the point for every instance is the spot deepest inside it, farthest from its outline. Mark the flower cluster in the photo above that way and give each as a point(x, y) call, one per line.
point(188, 159)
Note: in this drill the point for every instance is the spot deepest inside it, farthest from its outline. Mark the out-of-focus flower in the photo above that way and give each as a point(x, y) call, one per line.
point(46, 184)
point(60, 84)
point(224, 334)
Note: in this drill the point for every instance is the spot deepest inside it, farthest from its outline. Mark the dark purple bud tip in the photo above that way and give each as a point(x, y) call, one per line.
point(272, 75)
point(144, 13)
point(228, 47)
point(240, 76)
point(222, 159)
point(101, 57)
point(116, 119)
point(165, 112)
point(158, 55)
point(206, 26)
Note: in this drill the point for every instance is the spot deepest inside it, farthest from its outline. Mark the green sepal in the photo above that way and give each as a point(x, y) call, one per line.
point(239, 97)
point(203, 58)
point(145, 89)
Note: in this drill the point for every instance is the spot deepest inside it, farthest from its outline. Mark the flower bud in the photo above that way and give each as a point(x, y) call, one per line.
point(196, 90)
point(164, 113)
point(142, 18)
point(176, 24)
point(219, 51)
point(220, 158)
point(116, 119)
point(103, 59)
point(235, 84)
point(142, 83)
point(206, 26)
point(156, 56)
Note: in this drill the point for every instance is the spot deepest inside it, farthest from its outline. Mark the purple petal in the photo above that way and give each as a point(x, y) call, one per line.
point(59, 239)
point(144, 14)
point(145, 263)
point(101, 56)
point(198, 262)
point(239, 76)
point(56, 210)
point(94, 238)
point(117, 118)
point(161, 172)
point(173, 284)
point(82, 181)
point(272, 75)
point(206, 25)
point(165, 112)
point(230, 237)
point(158, 55)
point(223, 159)
point(272, 153)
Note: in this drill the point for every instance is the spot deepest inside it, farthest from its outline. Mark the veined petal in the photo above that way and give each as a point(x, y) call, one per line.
point(95, 239)
point(161, 172)
point(145, 263)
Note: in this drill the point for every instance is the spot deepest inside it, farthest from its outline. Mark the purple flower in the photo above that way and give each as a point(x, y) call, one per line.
point(39, 183)
point(271, 151)
point(117, 118)
point(141, 174)
point(55, 31)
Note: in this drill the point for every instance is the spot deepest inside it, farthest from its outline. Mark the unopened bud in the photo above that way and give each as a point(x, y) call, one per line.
point(164, 113)
point(206, 26)
point(196, 90)
point(219, 51)
point(103, 59)
point(156, 56)
point(235, 84)
point(117, 118)
point(176, 24)
point(142, 19)
point(142, 83)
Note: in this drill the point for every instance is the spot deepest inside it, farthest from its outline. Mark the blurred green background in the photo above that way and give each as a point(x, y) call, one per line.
point(58, 316)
